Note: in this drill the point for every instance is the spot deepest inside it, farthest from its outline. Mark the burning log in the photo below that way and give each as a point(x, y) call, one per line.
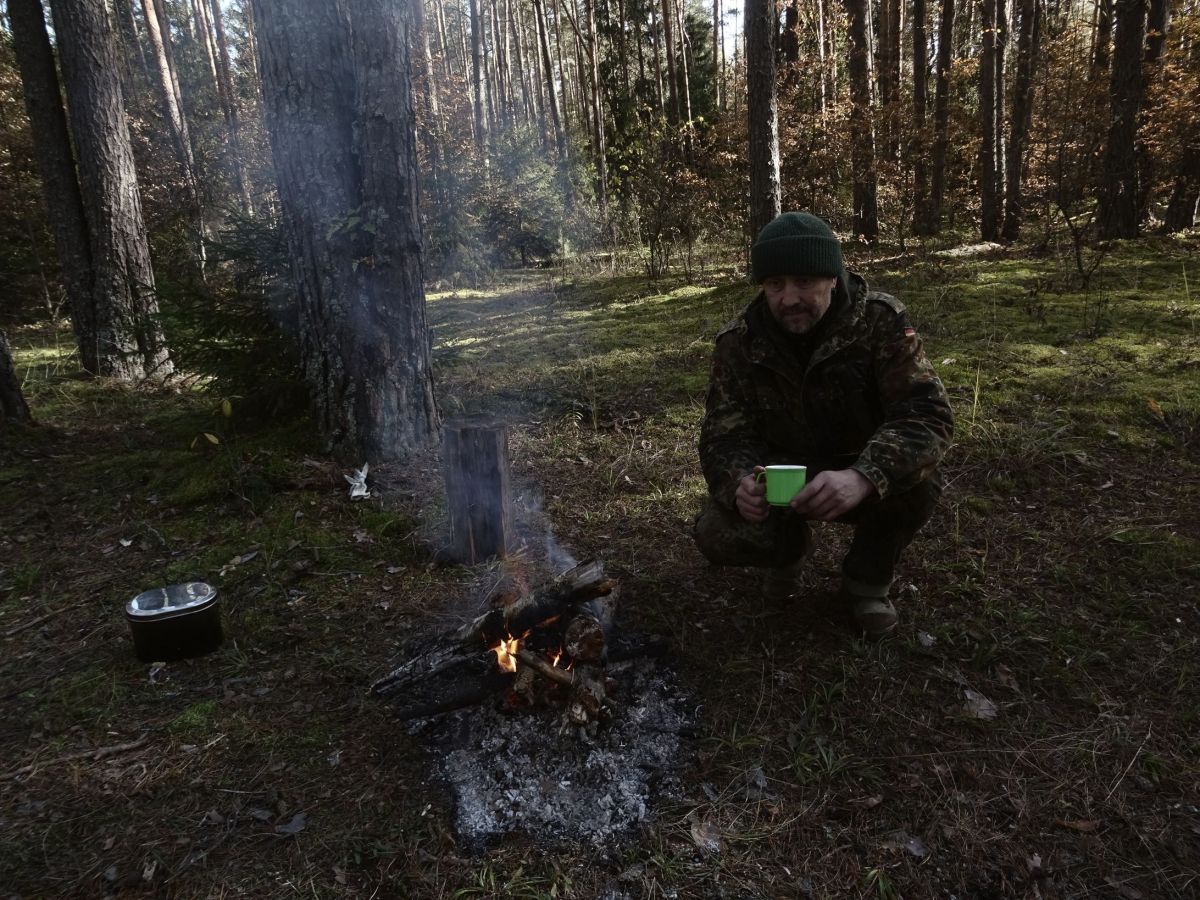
point(507, 647)
point(574, 587)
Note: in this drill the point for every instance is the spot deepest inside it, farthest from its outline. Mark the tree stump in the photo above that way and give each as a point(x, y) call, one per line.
point(475, 467)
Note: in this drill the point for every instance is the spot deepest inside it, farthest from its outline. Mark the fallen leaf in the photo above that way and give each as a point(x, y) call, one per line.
point(706, 836)
point(294, 826)
point(926, 639)
point(262, 815)
point(149, 869)
point(979, 706)
point(869, 802)
point(126, 542)
point(1087, 826)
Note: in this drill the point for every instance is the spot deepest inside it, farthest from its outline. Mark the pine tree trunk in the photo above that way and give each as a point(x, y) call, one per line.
point(1117, 214)
point(718, 88)
point(478, 80)
point(12, 402)
point(763, 115)
point(127, 25)
point(229, 106)
point(929, 219)
point(659, 93)
point(920, 144)
point(1156, 34)
point(129, 341)
point(560, 135)
point(168, 91)
point(338, 105)
point(669, 46)
point(203, 30)
point(989, 207)
point(1103, 37)
point(597, 106)
point(1000, 118)
point(862, 134)
point(56, 166)
point(1028, 52)
point(826, 93)
point(684, 67)
point(1185, 194)
point(789, 41)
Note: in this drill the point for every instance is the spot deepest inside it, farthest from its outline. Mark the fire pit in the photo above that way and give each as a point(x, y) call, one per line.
point(582, 729)
point(548, 646)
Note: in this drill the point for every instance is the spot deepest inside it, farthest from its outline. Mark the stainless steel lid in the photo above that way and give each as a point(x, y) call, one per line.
point(170, 600)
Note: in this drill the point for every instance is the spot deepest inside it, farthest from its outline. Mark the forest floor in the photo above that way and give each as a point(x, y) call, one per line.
point(1030, 731)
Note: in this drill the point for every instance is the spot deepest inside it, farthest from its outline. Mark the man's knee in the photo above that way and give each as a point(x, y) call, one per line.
point(726, 539)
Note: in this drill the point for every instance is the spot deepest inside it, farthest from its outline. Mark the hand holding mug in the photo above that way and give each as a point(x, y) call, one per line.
point(751, 497)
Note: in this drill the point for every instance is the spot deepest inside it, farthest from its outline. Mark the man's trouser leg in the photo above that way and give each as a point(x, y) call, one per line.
point(727, 539)
point(882, 530)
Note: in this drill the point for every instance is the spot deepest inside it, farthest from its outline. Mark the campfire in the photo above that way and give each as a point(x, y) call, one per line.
point(542, 647)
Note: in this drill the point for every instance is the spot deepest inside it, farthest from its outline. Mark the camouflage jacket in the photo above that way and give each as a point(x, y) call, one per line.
point(867, 399)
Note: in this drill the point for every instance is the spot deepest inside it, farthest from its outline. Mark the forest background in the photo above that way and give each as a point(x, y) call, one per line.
point(245, 244)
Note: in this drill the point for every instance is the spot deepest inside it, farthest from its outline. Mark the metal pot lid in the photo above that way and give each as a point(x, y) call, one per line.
point(173, 599)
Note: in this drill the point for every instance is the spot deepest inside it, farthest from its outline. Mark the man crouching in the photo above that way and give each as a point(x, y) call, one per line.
point(821, 372)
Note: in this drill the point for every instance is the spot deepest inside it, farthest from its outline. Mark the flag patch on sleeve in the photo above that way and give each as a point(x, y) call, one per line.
point(909, 331)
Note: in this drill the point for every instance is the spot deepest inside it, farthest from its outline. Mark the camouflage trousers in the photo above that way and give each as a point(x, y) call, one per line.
point(882, 529)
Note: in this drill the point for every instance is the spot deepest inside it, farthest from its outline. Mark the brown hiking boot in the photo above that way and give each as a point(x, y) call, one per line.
point(875, 616)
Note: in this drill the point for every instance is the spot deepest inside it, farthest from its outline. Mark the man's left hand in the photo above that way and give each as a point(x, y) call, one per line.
point(832, 494)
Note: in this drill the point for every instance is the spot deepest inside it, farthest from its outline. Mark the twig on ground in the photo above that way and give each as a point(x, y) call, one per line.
point(1136, 754)
point(97, 754)
point(32, 622)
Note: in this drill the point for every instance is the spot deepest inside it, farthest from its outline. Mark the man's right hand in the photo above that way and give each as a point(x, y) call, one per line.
point(751, 498)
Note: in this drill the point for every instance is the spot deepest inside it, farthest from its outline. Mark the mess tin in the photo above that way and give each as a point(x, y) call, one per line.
point(783, 483)
point(175, 622)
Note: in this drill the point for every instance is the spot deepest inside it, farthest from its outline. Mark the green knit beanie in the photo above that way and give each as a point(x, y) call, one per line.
point(795, 243)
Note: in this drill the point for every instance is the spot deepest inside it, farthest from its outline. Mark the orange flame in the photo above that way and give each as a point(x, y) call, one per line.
point(506, 653)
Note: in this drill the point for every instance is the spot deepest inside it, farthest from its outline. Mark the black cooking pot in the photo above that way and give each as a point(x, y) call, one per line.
point(175, 622)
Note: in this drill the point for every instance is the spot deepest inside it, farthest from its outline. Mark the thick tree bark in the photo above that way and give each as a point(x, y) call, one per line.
point(862, 130)
point(56, 166)
point(338, 105)
point(1028, 53)
point(13, 407)
point(989, 204)
point(1117, 215)
point(920, 144)
point(129, 344)
point(763, 115)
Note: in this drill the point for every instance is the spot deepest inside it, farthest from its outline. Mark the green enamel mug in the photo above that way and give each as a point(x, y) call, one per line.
point(783, 483)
